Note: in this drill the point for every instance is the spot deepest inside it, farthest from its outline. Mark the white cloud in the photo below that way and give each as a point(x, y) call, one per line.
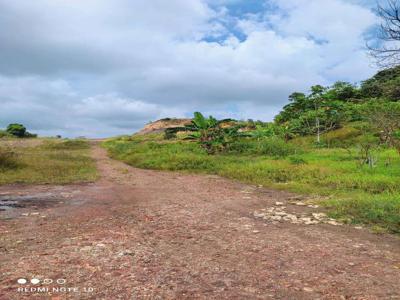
point(100, 67)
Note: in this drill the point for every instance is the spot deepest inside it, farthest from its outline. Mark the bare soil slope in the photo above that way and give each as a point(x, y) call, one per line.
point(141, 234)
point(161, 125)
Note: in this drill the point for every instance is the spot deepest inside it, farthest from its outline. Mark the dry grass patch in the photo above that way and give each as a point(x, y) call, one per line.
point(46, 161)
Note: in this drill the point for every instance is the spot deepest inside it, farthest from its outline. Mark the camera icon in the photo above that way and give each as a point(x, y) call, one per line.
point(45, 281)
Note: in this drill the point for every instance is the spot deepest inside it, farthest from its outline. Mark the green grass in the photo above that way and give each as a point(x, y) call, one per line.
point(365, 195)
point(45, 162)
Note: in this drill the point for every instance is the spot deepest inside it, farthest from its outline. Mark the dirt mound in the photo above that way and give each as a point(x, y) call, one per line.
point(161, 125)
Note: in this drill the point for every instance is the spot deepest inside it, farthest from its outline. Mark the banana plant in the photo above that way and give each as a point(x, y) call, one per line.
point(209, 132)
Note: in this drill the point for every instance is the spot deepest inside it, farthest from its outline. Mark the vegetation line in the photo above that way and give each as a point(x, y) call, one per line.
point(339, 143)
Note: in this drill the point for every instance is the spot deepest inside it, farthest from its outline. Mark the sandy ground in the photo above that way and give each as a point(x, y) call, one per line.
point(141, 234)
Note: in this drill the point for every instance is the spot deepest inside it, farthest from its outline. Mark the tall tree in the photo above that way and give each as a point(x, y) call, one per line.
point(316, 97)
point(387, 53)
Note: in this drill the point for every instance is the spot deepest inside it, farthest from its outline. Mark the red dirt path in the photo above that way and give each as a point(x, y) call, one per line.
point(141, 234)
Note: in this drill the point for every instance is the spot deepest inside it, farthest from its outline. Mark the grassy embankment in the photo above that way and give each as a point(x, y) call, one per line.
point(352, 191)
point(45, 161)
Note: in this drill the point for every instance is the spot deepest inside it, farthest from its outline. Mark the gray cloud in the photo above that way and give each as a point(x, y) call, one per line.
point(102, 67)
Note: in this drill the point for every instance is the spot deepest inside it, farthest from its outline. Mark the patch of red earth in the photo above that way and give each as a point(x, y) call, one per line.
point(141, 234)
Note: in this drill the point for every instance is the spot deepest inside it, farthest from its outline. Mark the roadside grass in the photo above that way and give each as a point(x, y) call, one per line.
point(47, 161)
point(353, 192)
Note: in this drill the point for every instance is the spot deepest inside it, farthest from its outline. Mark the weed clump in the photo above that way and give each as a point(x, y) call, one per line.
point(271, 146)
point(68, 145)
point(8, 159)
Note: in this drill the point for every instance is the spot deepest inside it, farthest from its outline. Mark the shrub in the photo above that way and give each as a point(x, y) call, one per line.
point(169, 135)
point(276, 147)
point(8, 159)
point(341, 137)
point(297, 160)
point(4, 133)
point(17, 130)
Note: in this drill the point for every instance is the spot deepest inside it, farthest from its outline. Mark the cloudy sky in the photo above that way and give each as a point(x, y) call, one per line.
point(105, 67)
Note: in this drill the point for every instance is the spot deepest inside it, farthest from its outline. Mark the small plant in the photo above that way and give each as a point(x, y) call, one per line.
point(4, 133)
point(396, 140)
point(297, 160)
point(368, 153)
point(276, 147)
point(169, 134)
point(8, 159)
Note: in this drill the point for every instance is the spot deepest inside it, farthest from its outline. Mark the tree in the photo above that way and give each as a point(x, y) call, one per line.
point(387, 53)
point(317, 99)
point(343, 91)
point(384, 118)
point(17, 130)
point(322, 110)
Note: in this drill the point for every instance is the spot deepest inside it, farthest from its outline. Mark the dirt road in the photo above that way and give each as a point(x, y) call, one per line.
point(140, 234)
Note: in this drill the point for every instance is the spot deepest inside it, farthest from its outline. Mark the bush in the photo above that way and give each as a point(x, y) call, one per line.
point(273, 146)
point(17, 130)
point(341, 137)
point(4, 133)
point(8, 159)
point(297, 160)
point(276, 147)
point(169, 135)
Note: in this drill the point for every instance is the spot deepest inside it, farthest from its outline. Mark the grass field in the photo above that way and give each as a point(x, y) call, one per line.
point(45, 161)
point(352, 191)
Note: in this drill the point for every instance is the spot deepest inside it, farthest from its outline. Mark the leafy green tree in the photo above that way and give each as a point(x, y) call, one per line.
point(320, 111)
point(342, 91)
point(385, 83)
point(17, 130)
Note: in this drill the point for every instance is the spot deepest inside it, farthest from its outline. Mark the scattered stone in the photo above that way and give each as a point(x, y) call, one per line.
point(308, 290)
point(313, 206)
point(319, 216)
point(296, 198)
point(278, 214)
point(334, 223)
point(279, 203)
point(358, 227)
point(86, 248)
point(311, 222)
point(126, 252)
point(256, 231)
point(308, 219)
point(258, 215)
point(245, 192)
point(25, 214)
point(35, 214)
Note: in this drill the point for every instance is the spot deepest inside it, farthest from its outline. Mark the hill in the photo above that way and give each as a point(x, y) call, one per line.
point(339, 143)
point(162, 124)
